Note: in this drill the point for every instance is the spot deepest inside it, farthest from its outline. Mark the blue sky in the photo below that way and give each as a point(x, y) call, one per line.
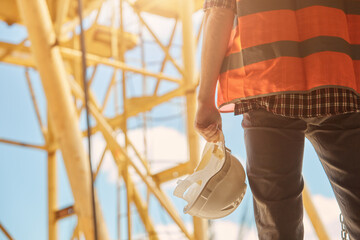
point(23, 172)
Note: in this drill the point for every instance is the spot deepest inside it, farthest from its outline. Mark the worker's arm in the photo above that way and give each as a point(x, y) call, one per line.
point(218, 23)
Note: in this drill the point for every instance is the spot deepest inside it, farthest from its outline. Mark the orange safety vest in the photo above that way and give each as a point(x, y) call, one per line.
point(289, 46)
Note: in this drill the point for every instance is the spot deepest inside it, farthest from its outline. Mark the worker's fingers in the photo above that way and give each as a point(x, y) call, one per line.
point(204, 126)
point(210, 133)
point(213, 131)
point(220, 125)
point(216, 137)
point(208, 123)
point(208, 128)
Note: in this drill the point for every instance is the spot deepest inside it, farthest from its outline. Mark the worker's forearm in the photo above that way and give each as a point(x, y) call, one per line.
point(218, 23)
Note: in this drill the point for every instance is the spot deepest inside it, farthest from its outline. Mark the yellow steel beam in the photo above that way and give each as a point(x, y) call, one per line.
point(186, 10)
point(94, 107)
point(114, 33)
point(163, 199)
point(100, 162)
point(165, 8)
point(99, 40)
point(62, 111)
point(36, 107)
point(166, 57)
point(172, 173)
point(120, 155)
point(52, 9)
point(75, 234)
point(23, 144)
point(64, 213)
point(129, 198)
point(136, 108)
point(76, 92)
point(89, 6)
point(16, 54)
point(52, 182)
point(199, 33)
point(155, 101)
point(190, 79)
point(62, 10)
point(21, 56)
point(142, 209)
point(126, 173)
point(138, 155)
point(7, 234)
point(9, 12)
point(107, 93)
point(118, 208)
point(11, 49)
point(91, 58)
point(91, 80)
point(313, 215)
point(165, 49)
point(76, 69)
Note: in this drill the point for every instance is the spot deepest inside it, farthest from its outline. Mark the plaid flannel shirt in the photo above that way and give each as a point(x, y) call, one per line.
point(315, 103)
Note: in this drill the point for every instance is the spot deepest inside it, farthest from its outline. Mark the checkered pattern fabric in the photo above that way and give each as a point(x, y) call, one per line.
point(320, 102)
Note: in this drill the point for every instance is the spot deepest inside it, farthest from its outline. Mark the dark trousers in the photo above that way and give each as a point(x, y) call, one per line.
point(275, 146)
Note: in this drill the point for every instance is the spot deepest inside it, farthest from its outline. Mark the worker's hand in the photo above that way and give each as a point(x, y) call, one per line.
point(208, 122)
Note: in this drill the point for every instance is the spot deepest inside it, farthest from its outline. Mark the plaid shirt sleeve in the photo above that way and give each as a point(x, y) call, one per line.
point(220, 4)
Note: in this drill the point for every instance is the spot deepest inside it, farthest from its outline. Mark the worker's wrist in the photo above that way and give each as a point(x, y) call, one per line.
point(206, 102)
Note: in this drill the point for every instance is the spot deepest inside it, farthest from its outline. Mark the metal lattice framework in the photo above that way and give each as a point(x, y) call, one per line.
point(56, 55)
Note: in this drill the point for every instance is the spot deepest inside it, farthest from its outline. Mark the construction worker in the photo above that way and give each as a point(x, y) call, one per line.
point(292, 68)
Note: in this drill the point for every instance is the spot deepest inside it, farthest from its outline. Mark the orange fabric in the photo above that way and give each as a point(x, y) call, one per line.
point(321, 21)
point(328, 22)
point(234, 44)
point(357, 73)
point(284, 73)
point(269, 23)
point(354, 28)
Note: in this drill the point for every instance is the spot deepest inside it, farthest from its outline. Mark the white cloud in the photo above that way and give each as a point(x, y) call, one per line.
point(326, 207)
point(166, 147)
point(220, 230)
point(329, 211)
point(231, 231)
point(167, 232)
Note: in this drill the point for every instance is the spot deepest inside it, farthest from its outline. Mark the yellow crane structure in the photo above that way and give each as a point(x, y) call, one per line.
point(52, 48)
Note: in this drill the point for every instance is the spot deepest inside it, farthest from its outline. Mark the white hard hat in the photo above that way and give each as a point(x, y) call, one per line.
point(216, 187)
